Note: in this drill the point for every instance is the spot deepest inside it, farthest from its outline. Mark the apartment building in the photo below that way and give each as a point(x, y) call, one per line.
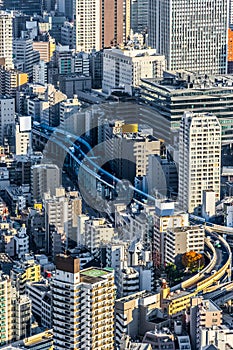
point(5, 313)
point(165, 218)
point(97, 232)
point(180, 240)
point(62, 210)
point(6, 39)
point(99, 24)
point(199, 159)
point(15, 313)
point(203, 314)
point(128, 151)
point(131, 314)
point(45, 178)
point(83, 306)
point(7, 116)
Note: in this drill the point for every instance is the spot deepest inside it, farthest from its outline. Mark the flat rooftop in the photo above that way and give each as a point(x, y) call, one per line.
point(94, 273)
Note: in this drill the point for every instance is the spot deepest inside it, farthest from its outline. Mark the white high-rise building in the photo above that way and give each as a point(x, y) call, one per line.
point(230, 13)
point(7, 115)
point(199, 159)
point(23, 139)
point(87, 27)
point(6, 40)
point(83, 306)
point(191, 34)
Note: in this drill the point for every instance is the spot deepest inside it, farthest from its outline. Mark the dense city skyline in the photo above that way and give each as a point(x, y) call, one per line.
point(116, 174)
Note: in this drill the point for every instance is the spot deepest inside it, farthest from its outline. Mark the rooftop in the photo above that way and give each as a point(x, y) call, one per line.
point(94, 272)
point(186, 80)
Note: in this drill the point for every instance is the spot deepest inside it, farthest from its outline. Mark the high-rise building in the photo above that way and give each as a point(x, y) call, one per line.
point(45, 177)
point(230, 13)
point(165, 218)
point(5, 313)
point(83, 306)
point(230, 51)
point(199, 159)
point(100, 23)
point(45, 47)
point(97, 232)
point(191, 34)
point(179, 91)
point(6, 39)
point(139, 15)
point(11, 81)
point(203, 314)
point(25, 56)
point(15, 313)
point(62, 211)
point(7, 115)
point(23, 139)
point(28, 7)
point(130, 314)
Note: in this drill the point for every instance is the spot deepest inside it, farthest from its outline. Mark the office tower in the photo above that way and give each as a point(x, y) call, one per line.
point(6, 38)
point(25, 56)
point(45, 178)
point(67, 32)
point(46, 46)
point(168, 98)
point(29, 7)
point(191, 34)
point(7, 115)
point(203, 314)
point(199, 159)
point(126, 68)
point(66, 7)
point(115, 22)
point(139, 15)
point(230, 13)
point(100, 23)
point(62, 210)
point(83, 306)
point(96, 69)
